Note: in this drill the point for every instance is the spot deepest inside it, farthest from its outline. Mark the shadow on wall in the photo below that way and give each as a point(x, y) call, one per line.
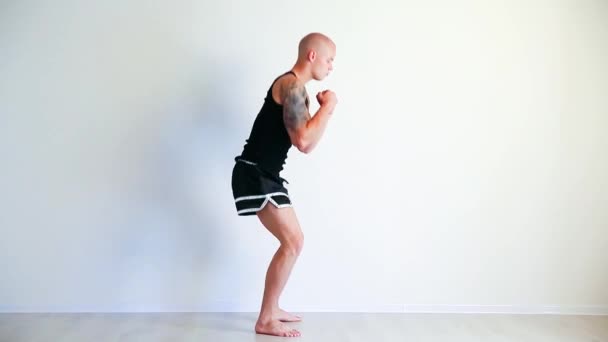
point(178, 242)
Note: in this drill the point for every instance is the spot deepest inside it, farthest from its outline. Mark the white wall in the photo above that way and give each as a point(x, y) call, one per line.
point(465, 167)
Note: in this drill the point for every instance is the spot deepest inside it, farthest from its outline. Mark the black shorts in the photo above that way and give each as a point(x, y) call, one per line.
point(253, 188)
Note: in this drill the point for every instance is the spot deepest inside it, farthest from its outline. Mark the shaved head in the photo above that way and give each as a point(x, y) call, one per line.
point(316, 53)
point(314, 42)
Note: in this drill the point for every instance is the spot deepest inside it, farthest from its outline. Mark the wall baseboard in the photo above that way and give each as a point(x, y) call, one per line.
point(508, 309)
point(221, 306)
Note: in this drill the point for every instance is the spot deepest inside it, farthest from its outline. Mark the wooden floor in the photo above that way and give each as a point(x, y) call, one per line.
point(318, 327)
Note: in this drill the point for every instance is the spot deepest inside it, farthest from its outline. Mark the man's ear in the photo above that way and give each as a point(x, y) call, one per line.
point(312, 54)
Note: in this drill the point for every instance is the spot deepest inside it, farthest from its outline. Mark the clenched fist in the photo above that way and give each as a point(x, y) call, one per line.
point(327, 98)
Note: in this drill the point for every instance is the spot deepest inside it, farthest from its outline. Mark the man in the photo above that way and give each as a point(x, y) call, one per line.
point(283, 121)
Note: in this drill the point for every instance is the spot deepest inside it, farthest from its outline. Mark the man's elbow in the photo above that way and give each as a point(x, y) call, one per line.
point(303, 146)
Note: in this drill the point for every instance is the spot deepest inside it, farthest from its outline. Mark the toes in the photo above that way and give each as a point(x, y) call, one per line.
point(292, 333)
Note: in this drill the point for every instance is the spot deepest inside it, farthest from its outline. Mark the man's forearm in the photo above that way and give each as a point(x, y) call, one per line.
point(316, 126)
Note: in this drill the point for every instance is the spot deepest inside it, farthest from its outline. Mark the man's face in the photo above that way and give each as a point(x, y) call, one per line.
point(323, 63)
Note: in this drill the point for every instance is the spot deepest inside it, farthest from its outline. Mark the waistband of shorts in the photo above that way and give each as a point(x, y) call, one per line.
point(239, 159)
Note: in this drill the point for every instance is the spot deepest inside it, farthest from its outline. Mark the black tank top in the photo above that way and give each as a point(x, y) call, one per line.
point(268, 141)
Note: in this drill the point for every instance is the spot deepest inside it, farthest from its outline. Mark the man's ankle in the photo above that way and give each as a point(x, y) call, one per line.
point(265, 316)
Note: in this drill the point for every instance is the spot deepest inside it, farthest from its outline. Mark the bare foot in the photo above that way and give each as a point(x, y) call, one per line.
point(285, 316)
point(275, 328)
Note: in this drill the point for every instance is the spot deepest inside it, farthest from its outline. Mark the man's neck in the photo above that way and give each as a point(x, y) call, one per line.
point(302, 73)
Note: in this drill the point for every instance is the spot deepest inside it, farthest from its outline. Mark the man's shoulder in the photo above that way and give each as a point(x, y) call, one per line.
point(288, 79)
point(287, 83)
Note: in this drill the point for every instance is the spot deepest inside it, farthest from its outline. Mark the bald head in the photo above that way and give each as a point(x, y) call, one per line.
point(316, 42)
point(316, 53)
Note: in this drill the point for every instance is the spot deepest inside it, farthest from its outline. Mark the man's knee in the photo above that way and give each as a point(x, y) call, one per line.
point(294, 244)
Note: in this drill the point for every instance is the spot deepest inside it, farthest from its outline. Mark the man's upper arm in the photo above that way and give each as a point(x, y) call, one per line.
point(295, 111)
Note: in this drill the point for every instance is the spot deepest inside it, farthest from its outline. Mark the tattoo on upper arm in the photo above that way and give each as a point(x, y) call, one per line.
point(295, 108)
